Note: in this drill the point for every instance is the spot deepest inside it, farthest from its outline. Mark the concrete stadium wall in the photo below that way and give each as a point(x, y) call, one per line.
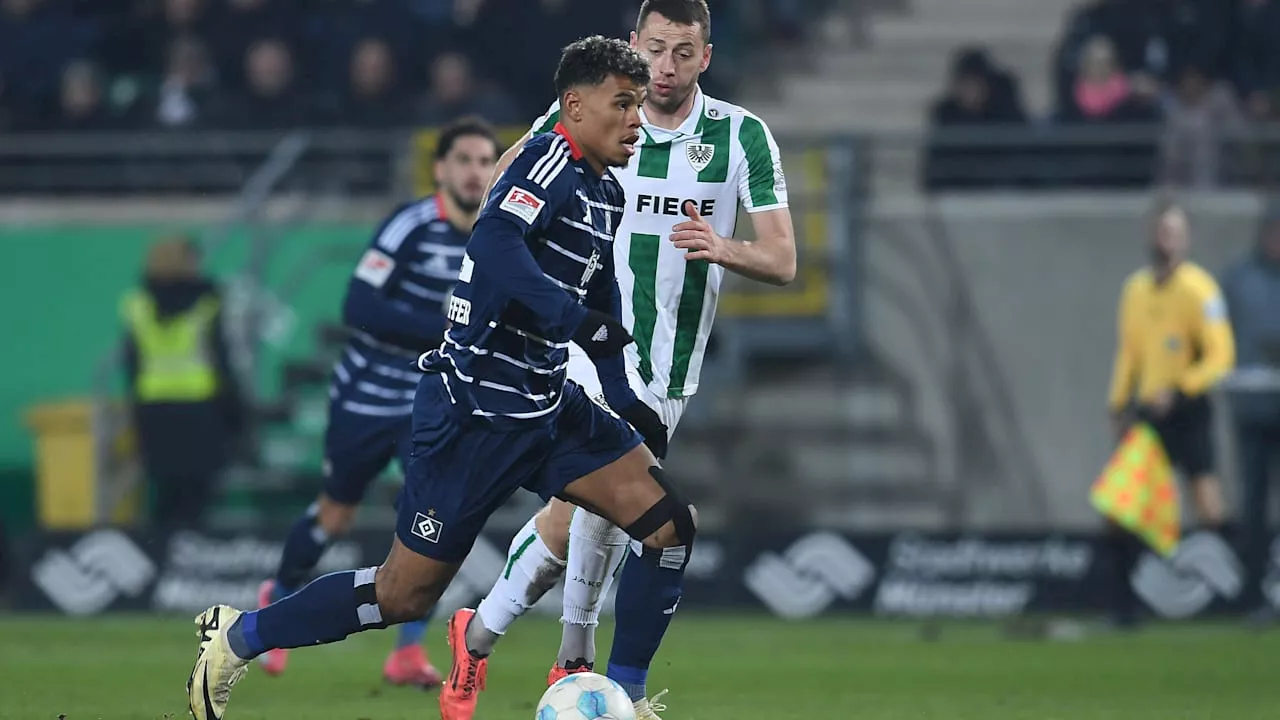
point(1044, 275)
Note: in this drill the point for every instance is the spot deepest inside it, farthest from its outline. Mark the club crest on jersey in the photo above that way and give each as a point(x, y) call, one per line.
point(699, 155)
point(593, 264)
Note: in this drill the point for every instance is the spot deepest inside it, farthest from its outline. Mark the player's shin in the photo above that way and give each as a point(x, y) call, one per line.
point(531, 570)
point(649, 590)
point(327, 610)
point(596, 547)
point(303, 548)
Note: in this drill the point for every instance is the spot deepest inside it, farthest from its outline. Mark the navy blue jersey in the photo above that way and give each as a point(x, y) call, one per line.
point(541, 252)
point(395, 308)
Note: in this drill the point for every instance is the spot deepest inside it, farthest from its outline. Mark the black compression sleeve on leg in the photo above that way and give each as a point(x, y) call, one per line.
point(672, 507)
point(652, 519)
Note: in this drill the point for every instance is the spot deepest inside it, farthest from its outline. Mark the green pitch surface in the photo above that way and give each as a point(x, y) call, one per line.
point(717, 667)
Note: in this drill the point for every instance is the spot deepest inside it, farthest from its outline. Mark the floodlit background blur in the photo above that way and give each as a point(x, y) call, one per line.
point(910, 427)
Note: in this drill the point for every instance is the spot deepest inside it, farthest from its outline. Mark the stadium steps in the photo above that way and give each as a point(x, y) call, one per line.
point(836, 446)
point(885, 85)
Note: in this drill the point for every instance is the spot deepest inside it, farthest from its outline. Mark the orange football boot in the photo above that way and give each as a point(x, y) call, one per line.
point(459, 694)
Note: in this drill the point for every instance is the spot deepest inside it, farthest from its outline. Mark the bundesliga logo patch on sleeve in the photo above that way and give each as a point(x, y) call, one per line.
point(375, 267)
point(523, 204)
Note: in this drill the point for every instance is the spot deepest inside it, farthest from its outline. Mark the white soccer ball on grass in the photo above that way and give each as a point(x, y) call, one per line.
point(585, 696)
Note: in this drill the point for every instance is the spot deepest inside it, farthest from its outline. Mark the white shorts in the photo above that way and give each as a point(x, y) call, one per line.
point(583, 372)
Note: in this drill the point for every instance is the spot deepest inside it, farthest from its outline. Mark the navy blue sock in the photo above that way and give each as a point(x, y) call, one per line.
point(302, 551)
point(411, 633)
point(649, 590)
point(327, 610)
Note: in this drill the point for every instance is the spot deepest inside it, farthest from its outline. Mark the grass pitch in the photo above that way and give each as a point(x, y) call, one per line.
point(718, 667)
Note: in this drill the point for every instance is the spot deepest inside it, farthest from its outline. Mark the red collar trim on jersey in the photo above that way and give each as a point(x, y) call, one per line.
point(573, 146)
point(442, 212)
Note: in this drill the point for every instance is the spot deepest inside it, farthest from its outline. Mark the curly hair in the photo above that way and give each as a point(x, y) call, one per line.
point(589, 61)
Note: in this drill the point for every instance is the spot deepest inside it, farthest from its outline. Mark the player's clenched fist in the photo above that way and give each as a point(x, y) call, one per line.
point(649, 425)
point(601, 335)
point(696, 236)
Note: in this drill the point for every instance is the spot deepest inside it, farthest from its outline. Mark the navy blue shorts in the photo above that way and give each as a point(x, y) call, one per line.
point(358, 448)
point(463, 470)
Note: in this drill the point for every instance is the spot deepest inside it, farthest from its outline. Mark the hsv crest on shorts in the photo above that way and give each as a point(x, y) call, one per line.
point(427, 528)
point(700, 155)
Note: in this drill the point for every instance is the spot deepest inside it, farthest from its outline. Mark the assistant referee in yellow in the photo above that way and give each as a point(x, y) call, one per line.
point(1174, 345)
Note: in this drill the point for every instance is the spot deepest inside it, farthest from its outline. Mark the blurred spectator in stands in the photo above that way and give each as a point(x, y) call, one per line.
point(37, 40)
point(1257, 57)
point(185, 92)
point(543, 28)
point(186, 405)
point(1252, 291)
point(272, 98)
point(82, 105)
point(174, 18)
point(456, 92)
point(980, 96)
point(372, 98)
point(1134, 36)
point(1201, 116)
point(1103, 93)
point(184, 16)
point(241, 22)
point(333, 29)
point(1104, 97)
point(1151, 39)
point(1197, 33)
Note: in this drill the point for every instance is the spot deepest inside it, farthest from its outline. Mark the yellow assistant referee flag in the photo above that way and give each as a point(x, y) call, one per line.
point(1137, 491)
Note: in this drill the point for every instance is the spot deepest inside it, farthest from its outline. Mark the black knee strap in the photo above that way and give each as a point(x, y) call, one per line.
point(671, 508)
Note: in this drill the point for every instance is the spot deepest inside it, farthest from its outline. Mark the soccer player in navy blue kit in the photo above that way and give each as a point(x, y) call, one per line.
point(494, 412)
point(394, 309)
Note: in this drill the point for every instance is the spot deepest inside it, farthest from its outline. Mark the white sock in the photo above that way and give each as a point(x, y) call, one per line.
point(531, 571)
point(596, 547)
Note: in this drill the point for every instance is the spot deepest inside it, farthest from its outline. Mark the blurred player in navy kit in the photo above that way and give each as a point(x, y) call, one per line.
point(495, 413)
point(394, 310)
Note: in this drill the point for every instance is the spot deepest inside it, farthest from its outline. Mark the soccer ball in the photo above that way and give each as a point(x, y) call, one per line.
point(585, 696)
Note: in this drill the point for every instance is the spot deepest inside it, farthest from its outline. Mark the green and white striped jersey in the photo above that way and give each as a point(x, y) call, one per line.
point(722, 158)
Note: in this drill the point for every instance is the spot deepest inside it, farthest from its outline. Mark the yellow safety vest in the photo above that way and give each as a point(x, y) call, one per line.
point(174, 362)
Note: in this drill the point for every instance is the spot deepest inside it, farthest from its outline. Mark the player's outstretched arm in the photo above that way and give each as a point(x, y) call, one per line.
point(603, 297)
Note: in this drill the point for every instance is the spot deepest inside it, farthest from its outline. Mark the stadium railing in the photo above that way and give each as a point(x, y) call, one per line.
point(906, 380)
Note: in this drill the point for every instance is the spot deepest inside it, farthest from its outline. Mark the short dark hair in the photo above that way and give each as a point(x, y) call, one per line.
point(590, 60)
point(465, 127)
point(681, 12)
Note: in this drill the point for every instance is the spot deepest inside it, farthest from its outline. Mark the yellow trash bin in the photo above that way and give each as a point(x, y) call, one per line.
point(70, 470)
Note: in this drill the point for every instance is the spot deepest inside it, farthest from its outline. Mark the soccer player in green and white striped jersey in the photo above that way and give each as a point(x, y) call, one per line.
point(699, 160)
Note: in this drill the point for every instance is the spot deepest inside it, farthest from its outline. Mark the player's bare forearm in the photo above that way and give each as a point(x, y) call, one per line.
point(771, 257)
point(769, 260)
